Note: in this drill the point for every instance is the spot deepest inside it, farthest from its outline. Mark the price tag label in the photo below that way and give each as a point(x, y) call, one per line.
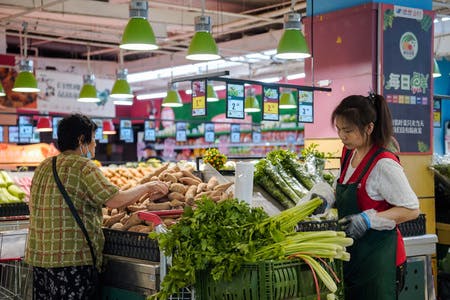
point(13, 134)
point(198, 98)
point(209, 133)
point(55, 121)
point(1, 134)
point(235, 101)
point(149, 132)
point(256, 134)
point(181, 134)
point(235, 136)
point(305, 107)
point(270, 103)
point(126, 131)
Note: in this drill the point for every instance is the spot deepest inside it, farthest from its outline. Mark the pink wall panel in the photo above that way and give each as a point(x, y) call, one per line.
point(344, 52)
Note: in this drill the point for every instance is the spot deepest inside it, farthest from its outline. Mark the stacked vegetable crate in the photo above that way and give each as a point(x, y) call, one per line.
point(266, 280)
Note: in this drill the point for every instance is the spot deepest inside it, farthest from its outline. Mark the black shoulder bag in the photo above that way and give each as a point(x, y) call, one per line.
point(95, 292)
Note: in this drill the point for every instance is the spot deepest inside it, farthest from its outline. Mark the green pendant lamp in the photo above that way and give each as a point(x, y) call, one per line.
point(2, 91)
point(88, 92)
point(25, 82)
point(436, 71)
point(138, 34)
point(251, 104)
point(203, 46)
point(287, 100)
point(211, 95)
point(292, 44)
point(121, 89)
point(172, 98)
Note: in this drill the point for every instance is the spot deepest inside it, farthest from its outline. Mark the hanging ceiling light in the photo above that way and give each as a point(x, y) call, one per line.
point(44, 124)
point(251, 104)
point(436, 71)
point(287, 100)
point(292, 44)
point(88, 92)
point(108, 127)
point(211, 95)
point(25, 82)
point(2, 91)
point(121, 89)
point(138, 34)
point(203, 46)
point(172, 98)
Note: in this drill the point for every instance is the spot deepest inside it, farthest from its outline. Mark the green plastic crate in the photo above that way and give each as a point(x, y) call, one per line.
point(267, 280)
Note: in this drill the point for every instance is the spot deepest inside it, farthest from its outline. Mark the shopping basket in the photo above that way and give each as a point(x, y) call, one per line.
point(186, 293)
point(15, 275)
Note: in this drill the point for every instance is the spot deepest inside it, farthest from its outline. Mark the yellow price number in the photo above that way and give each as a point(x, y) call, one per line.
point(198, 102)
point(271, 107)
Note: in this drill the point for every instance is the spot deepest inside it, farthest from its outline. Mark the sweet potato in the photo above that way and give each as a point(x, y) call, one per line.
point(189, 181)
point(201, 187)
point(117, 226)
point(178, 187)
point(158, 206)
point(223, 186)
point(187, 173)
point(212, 182)
point(139, 228)
point(177, 196)
point(191, 192)
point(132, 221)
point(114, 219)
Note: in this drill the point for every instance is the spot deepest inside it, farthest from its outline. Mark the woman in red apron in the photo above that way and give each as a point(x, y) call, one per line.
point(372, 196)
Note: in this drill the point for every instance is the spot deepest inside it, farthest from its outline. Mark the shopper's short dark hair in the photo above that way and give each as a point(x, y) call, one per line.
point(72, 128)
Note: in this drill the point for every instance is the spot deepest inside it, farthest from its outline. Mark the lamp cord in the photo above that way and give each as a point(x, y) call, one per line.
point(203, 7)
point(25, 43)
point(89, 58)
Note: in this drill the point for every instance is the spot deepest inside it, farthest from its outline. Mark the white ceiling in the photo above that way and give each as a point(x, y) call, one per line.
point(64, 28)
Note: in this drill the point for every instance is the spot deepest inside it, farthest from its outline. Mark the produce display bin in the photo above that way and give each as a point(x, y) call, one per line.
point(267, 280)
point(130, 244)
point(414, 227)
point(14, 209)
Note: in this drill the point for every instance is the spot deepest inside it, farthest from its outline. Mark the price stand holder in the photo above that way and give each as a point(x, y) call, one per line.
point(305, 106)
point(210, 135)
point(235, 101)
point(198, 98)
point(235, 133)
point(270, 103)
point(181, 134)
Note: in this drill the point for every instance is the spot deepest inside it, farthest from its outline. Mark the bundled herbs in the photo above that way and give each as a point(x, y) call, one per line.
point(220, 237)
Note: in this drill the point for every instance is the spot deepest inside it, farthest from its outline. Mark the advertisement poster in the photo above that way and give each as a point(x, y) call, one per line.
point(270, 104)
point(305, 107)
point(149, 131)
point(198, 98)
point(59, 93)
point(235, 136)
point(407, 38)
point(126, 131)
point(235, 101)
point(14, 100)
point(181, 132)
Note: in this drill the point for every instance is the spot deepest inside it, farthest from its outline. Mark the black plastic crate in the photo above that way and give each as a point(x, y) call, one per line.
point(317, 225)
point(14, 209)
point(130, 244)
point(414, 227)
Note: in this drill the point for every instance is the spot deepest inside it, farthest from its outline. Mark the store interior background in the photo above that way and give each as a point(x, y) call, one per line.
point(59, 33)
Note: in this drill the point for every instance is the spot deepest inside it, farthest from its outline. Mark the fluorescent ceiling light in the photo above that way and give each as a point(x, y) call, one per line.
point(444, 19)
point(270, 79)
point(270, 52)
point(151, 96)
point(295, 76)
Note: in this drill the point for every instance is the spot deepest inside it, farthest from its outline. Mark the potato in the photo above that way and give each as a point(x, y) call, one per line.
point(189, 181)
point(114, 219)
point(178, 187)
point(117, 226)
point(177, 196)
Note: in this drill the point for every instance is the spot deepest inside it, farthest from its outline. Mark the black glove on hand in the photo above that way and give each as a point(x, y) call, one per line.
point(355, 226)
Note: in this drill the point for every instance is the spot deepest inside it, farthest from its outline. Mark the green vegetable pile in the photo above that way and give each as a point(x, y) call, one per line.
point(220, 237)
point(285, 178)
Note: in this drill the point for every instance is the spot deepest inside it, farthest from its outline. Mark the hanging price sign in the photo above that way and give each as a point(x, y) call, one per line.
point(198, 98)
point(256, 134)
point(210, 135)
point(126, 131)
point(149, 132)
point(235, 133)
point(235, 101)
point(181, 135)
point(305, 106)
point(270, 103)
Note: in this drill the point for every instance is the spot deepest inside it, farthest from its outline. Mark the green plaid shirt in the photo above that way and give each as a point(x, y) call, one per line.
point(54, 238)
